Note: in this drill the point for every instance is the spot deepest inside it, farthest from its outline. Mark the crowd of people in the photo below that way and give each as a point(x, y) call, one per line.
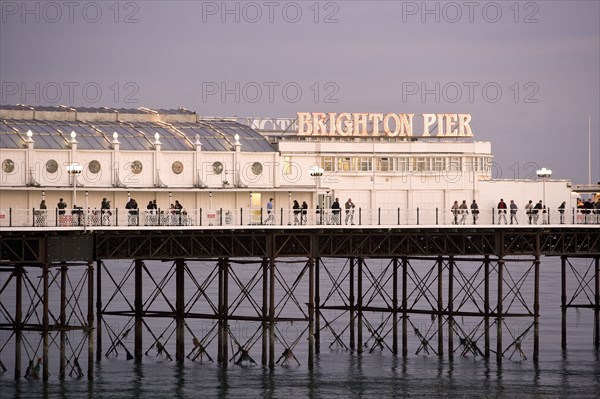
point(588, 211)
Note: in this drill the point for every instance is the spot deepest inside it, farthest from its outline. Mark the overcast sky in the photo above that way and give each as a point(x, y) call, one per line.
point(528, 72)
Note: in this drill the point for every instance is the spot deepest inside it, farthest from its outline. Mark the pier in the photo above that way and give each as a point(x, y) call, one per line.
point(293, 279)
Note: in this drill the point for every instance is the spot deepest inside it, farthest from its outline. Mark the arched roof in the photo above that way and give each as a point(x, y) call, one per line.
point(213, 134)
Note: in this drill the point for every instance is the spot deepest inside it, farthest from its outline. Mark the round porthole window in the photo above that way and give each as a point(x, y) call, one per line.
point(177, 167)
point(94, 167)
point(136, 167)
point(51, 166)
point(257, 168)
point(8, 165)
point(217, 168)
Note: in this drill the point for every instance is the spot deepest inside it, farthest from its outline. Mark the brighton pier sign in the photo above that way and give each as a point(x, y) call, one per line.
point(375, 124)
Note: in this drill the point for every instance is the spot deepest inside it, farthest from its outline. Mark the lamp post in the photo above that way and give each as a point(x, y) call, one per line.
point(544, 174)
point(74, 170)
point(316, 172)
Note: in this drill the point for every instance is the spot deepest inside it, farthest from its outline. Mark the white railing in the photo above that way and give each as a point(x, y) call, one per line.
point(97, 218)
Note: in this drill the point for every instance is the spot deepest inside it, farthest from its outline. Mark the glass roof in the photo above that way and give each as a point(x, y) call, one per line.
point(214, 135)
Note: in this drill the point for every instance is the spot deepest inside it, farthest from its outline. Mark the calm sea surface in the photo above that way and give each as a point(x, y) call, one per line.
point(338, 373)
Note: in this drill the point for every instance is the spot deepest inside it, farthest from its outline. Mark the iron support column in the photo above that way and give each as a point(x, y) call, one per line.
point(597, 303)
point(98, 310)
point(486, 305)
point(563, 301)
point(536, 309)
point(351, 299)
point(404, 307)
point(499, 310)
point(359, 306)
point(18, 319)
point(450, 307)
point(317, 306)
point(139, 311)
point(395, 306)
point(311, 312)
point(225, 311)
point(272, 313)
point(180, 309)
point(265, 309)
point(63, 321)
point(45, 321)
point(90, 320)
point(440, 307)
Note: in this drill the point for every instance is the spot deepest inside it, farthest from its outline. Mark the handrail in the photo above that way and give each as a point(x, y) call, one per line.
point(99, 218)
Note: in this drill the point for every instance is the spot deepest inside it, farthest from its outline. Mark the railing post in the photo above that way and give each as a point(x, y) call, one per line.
point(200, 216)
point(417, 215)
point(10, 217)
point(220, 216)
point(493, 216)
point(33, 217)
point(398, 215)
point(116, 216)
point(242, 216)
point(281, 217)
point(378, 216)
point(359, 216)
point(573, 214)
point(261, 215)
point(56, 216)
point(436, 216)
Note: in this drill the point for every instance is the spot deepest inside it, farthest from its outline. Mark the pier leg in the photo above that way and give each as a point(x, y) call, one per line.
point(450, 307)
point(395, 306)
point(404, 307)
point(63, 321)
point(597, 303)
point(45, 322)
point(180, 309)
point(359, 306)
point(265, 311)
point(563, 301)
point(311, 312)
point(352, 317)
point(440, 307)
point(220, 311)
point(536, 310)
point(225, 312)
point(272, 314)
point(18, 320)
point(499, 310)
point(98, 310)
point(138, 305)
point(486, 306)
point(317, 306)
point(90, 320)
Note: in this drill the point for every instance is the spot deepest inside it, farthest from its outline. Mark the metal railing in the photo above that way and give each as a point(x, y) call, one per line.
point(96, 218)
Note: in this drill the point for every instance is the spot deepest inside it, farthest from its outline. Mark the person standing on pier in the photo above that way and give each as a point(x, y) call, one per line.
point(561, 211)
point(475, 211)
point(536, 209)
point(335, 211)
point(105, 212)
point(513, 212)
point(270, 216)
point(297, 211)
point(455, 210)
point(132, 212)
point(529, 210)
point(349, 205)
point(502, 211)
point(463, 212)
point(304, 212)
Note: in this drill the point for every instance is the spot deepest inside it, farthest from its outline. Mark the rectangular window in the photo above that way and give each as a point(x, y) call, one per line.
point(344, 164)
point(420, 164)
point(438, 164)
point(402, 164)
point(365, 164)
point(328, 164)
point(287, 166)
point(384, 164)
point(454, 164)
